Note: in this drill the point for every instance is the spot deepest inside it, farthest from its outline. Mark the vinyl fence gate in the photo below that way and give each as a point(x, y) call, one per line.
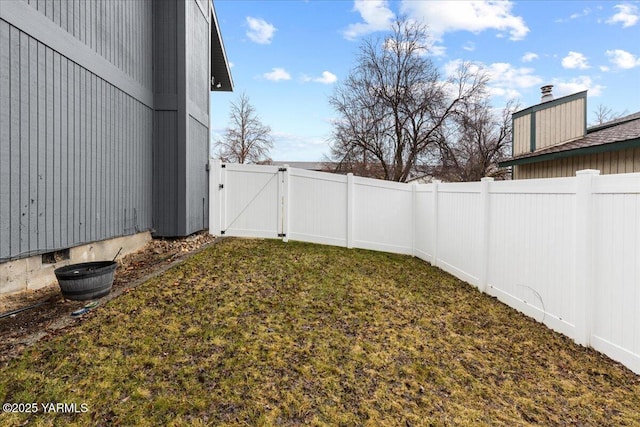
point(258, 205)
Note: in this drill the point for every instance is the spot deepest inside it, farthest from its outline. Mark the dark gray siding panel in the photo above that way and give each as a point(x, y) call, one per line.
point(198, 56)
point(33, 143)
point(197, 184)
point(5, 143)
point(165, 185)
point(198, 114)
point(75, 152)
point(14, 157)
point(14, 135)
point(165, 45)
point(181, 101)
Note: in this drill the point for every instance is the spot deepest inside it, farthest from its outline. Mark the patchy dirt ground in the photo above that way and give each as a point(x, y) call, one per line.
point(22, 329)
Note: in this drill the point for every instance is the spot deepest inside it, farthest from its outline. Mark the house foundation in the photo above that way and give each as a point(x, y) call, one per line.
point(37, 271)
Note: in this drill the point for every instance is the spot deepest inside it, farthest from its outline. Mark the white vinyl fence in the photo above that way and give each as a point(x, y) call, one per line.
point(565, 251)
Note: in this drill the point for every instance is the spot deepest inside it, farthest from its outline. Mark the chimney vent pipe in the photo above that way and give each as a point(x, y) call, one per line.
point(546, 93)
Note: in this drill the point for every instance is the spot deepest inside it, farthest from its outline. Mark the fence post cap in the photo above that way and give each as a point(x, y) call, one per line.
point(588, 172)
point(487, 179)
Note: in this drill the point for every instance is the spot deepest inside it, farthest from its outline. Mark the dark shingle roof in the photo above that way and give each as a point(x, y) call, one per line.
point(625, 129)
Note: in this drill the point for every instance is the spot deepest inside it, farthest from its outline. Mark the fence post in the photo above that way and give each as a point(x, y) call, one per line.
point(285, 204)
point(434, 203)
point(349, 210)
point(483, 277)
point(214, 196)
point(584, 255)
point(414, 188)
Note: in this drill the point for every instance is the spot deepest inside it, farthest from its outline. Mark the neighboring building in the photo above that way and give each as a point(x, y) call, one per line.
point(551, 139)
point(104, 127)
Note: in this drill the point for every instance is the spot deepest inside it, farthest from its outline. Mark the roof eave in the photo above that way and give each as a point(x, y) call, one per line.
point(221, 80)
point(549, 104)
point(594, 149)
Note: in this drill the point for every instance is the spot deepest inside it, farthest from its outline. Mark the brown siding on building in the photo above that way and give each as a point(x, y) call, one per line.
point(522, 135)
point(561, 123)
point(621, 161)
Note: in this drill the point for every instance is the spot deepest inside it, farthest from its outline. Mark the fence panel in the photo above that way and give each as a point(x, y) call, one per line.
point(616, 293)
point(382, 215)
point(532, 249)
point(317, 207)
point(458, 225)
point(425, 228)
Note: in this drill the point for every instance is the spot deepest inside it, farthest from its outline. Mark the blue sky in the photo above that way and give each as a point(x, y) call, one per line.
point(288, 55)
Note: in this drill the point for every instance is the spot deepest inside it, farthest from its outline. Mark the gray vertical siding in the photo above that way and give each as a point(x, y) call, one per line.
point(114, 29)
point(76, 152)
point(103, 121)
point(181, 98)
point(167, 169)
point(197, 198)
point(165, 48)
point(165, 188)
point(198, 183)
point(198, 58)
point(5, 142)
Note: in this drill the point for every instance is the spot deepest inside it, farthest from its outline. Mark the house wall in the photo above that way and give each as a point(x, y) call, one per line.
point(522, 135)
point(76, 123)
point(117, 30)
point(621, 161)
point(198, 61)
point(560, 123)
point(550, 123)
point(181, 89)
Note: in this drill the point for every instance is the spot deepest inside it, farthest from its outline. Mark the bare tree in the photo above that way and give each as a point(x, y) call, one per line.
point(604, 114)
point(393, 104)
point(246, 140)
point(476, 139)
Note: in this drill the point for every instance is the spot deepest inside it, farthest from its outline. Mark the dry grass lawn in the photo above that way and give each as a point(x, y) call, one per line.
point(255, 332)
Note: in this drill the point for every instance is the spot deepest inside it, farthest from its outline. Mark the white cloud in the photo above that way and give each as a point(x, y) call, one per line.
point(623, 59)
point(577, 84)
point(376, 16)
point(575, 60)
point(604, 68)
point(474, 16)
point(260, 31)
point(584, 12)
point(469, 46)
point(577, 15)
point(277, 74)
point(296, 147)
point(326, 78)
point(529, 56)
point(438, 50)
point(504, 79)
point(627, 15)
point(509, 79)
